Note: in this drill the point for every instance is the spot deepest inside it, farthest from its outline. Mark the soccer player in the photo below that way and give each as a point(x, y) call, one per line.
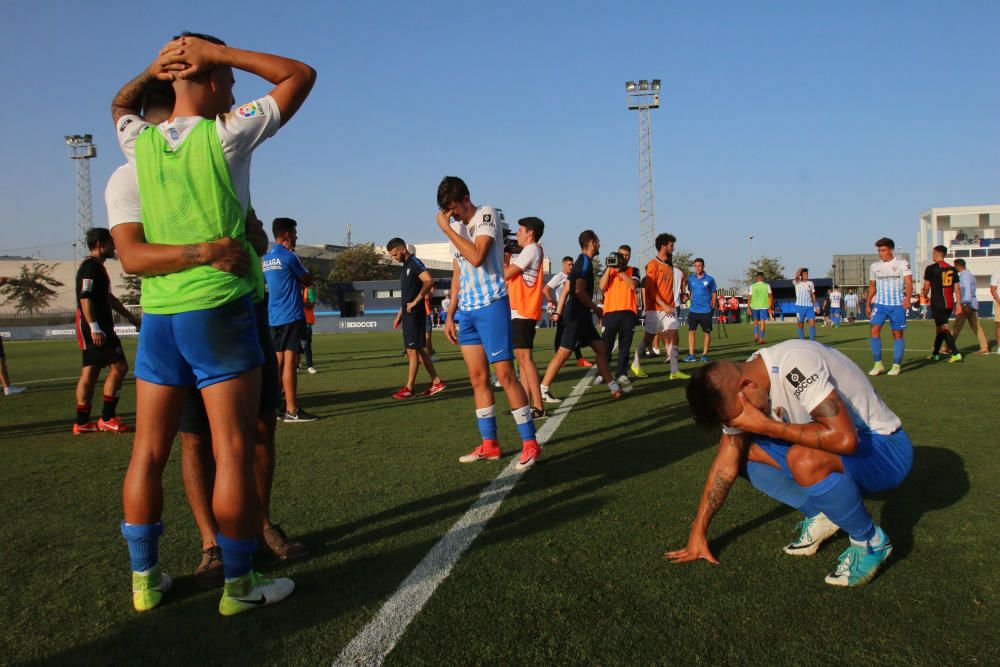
point(199, 327)
point(523, 274)
point(95, 333)
point(851, 303)
point(942, 287)
point(995, 293)
point(805, 303)
point(619, 285)
point(309, 309)
point(8, 388)
point(661, 308)
point(761, 306)
point(485, 335)
point(553, 291)
point(415, 283)
point(890, 286)
point(702, 288)
point(285, 277)
point(803, 424)
point(577, 308)
point(835, 299)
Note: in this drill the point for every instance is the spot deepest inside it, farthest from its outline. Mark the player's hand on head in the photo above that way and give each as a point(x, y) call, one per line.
point(749, 418)
point(443, 220)
point(198, 55)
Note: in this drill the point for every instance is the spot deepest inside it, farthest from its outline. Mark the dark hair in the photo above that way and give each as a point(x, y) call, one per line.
point(885, 241)
point(535, 225)
point(567, 258)
point(760, 274)
point(158, 97)
point(394, 243)
point(451, 189)
point(941, 249)
point(587, 236)
point(803, 270)
point(281, 226)
point(201, 35)
point(704, 396)
point(959, 262)
point(96, 236)
point(664, 239)
point(626, 247)
point(698, 259)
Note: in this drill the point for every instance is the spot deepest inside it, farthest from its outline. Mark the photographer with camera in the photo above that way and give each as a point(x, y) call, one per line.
point(619, 283)
point(523, 258)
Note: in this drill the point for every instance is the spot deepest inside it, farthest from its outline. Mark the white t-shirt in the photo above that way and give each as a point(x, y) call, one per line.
point(804, 372)
point(556, 283)
point(835, 299)
point(479, 286)
point(530, 261)
point(240, 132)
point(122, 196)
point(678, 286)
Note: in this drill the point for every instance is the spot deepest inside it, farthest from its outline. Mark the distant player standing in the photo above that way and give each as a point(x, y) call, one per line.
point(836, 299)
point(524, 286)
point(703, 290)
point(95, 333)
point(485, 335)
point(805, 303)
point(942, 286)
point(761, 306)
point(661, 309)
point(553, 291)
point(890, 286)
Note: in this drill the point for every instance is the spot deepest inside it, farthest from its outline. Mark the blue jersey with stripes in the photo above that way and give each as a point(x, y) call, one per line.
point(479, 286)
point(890, 281)
point(804, 290)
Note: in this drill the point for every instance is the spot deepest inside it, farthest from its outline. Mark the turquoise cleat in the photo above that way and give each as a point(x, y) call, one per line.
point(859, 564)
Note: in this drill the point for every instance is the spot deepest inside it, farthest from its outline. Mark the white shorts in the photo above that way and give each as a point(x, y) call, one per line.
point(658, 321)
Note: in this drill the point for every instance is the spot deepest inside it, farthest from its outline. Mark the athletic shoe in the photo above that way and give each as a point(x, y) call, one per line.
point(598, 380)
point(405, 392)
point(488, 451)
point(858, 564)
point(955, 358)
point(547, 397)
point(623, 381)
point(433, 389)
point(530, 452)
point(626, 388)
point(300, 416)
point(982, 352)
point(282, 547)
point(933, 357)
point(89, 427)
point(617, 394)
point(583, 363)
point(280, 414)
point(656, 351)
point(11, 390)
point(638, 372)
point(877, 369)
point(704, 358)
point(114, 425)
point(312, 370)
point(679, 375)
point(538, 413)
point(690, 358)
point(209, 574)
point(434, 357)
point(495, 381)
point(251, 591)
point(148, 588)
point(812, 533)
point(895, 370)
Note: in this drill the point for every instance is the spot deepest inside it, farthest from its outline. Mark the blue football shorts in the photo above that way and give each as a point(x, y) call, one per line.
point(881, 462)
point(895, 314)
point(199, 347)
point(805, 313)
point(490, 328)
point(759, 314)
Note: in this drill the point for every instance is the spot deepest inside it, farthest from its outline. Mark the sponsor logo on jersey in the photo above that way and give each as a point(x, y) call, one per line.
point(248, 110)
point(86, 285)
point(798, 379)
point(124, 124)
point(174, 134)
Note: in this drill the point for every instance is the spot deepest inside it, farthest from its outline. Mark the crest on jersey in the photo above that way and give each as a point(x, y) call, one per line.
point(248, 110)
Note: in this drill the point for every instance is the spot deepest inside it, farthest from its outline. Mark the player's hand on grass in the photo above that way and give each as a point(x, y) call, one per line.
point(449, 331)
point(697, 548)
point(229, 255)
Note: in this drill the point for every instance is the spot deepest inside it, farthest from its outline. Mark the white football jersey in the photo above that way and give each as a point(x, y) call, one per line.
point(479, 286)
point(890, 281)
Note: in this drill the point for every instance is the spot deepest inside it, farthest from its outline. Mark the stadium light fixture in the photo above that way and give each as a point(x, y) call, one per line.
point(641, 96)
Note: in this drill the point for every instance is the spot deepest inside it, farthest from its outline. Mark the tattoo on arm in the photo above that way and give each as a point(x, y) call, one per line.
point(190, 254)
point(129, 98)
point(717, 494)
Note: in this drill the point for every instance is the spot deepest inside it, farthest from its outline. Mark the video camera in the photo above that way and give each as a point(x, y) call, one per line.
point(510, 244)
point(615, 260)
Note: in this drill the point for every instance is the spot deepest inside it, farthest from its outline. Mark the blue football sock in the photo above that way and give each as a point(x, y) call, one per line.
point(778, 485)
point(876, 344)
point(839, 498)
point(812, 332)
point(525, 424)
point(487, 418)
point(801, 334)
point(898, 346)
point(143, 544)
point(237, 555)
point(756, 331)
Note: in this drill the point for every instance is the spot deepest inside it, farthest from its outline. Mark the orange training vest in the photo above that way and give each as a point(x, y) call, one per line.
point(527, 301)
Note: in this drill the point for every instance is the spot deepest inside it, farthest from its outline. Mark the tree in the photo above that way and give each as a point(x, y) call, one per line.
point(683, 260)
point(322, 283)
point(31, 291)
point(361, 262)
point(133, 289)
point(772, 268)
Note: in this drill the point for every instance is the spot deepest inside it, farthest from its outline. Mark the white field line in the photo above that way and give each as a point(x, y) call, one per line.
point(74, 377)
point(377, 639)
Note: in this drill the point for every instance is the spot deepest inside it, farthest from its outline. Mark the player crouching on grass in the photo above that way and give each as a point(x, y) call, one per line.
point(803, 424)
point(486, 336)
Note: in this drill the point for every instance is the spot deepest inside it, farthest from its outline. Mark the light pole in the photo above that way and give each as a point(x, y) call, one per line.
point(643, 96)
point(82, 149)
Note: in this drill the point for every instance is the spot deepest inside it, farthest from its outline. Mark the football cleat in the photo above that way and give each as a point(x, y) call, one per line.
point(638, 372)
point(433, 389)
point(89, 427)
point(208, 574)
point(895, 370)
point(679, 375)
point(933, 357)
point(583, 363)
point(11, 390)
point(312, 370)
point(251, 591)
point(530, 452)
point(405, 392)
point(281, 546)
point(955, 358)
point(877, 369)
point(538, 413)
point(148, 588)
point(114, 425)
point(690, 358)
point(547, 397)
point(488, 451)
point(859, 564)
point(812, 533)
point(299, 417)
point(598, 380)
point(704, 358)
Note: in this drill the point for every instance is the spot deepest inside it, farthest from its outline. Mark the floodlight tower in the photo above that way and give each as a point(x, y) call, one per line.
point(82, 149)
point(642, 97)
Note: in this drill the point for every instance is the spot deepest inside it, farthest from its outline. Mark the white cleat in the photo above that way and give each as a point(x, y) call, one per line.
point(877, 369)
point(812, 533)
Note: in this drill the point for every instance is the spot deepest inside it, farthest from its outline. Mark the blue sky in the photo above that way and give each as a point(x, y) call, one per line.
point(815, 127)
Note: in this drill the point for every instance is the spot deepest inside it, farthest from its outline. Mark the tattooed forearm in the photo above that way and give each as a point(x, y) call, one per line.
point(717, 494)
point(191, 255)
point(129, 98)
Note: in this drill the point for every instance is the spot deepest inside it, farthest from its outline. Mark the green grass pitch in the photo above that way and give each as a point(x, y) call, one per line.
point(569, 571)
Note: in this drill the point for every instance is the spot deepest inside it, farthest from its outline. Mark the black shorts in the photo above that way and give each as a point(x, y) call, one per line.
point(703, 320)
point(1, 347)
point(941, 316)
point(523, 333)
point(105, 355)
point(193, 416)
point(288, 336)
point(414, 330)
point(579, 332)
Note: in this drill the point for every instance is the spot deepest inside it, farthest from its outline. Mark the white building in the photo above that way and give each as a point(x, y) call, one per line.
point(971, 233)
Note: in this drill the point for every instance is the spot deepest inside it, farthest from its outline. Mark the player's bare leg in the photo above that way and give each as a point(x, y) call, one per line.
point(288, 361)
point(555, 364)
point(157, 410)
point(529, 376)
point(198, 474)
